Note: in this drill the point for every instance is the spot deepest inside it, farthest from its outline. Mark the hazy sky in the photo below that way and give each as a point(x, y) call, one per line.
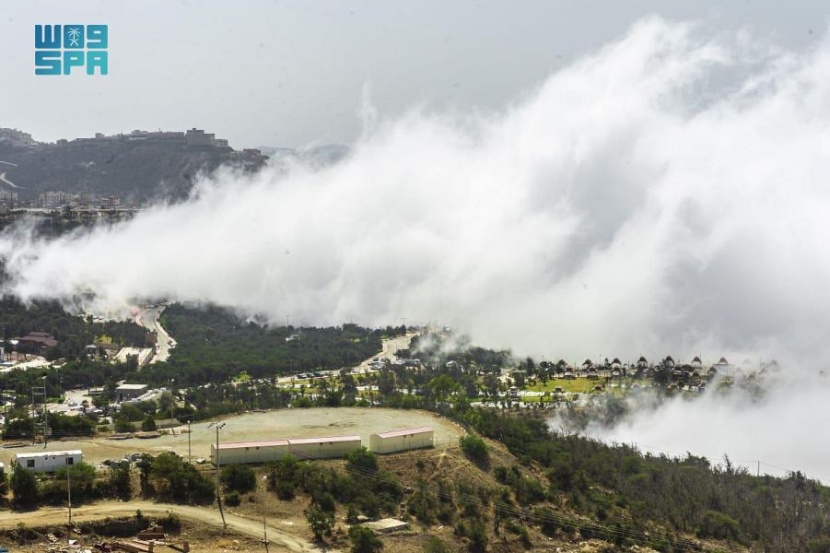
point(292, 72)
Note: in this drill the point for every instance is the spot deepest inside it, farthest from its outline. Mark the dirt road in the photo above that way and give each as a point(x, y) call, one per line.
point(48, 516)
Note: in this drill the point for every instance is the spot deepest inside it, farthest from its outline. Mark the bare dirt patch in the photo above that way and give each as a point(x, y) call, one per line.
point(269, 425)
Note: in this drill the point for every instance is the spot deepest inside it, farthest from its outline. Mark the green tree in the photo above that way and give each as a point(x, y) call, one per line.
point(239, 478)
point(148, 424)
point(442, 386)
point(362, 461)
point(123, 425)
point(320, 522)
point(119, 481)
point(166, 404)
point(364, 540)
point(24, 486)
point(180, 481)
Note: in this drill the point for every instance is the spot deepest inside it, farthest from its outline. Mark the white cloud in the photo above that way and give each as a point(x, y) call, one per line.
point(664, 195)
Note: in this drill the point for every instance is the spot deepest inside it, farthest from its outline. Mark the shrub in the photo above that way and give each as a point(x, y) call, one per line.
point(232, 499)
point(320, 522)
point(475, 449)
point(719, 526)
point(123, 425)
point(364, 540)
point(240, 478)
point(435, 545)
point(25, 488)
point(148, 424)
point(362, 461)
point(171, 523)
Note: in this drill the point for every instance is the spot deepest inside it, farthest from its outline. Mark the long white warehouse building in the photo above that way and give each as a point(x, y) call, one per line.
point(402, 440)
point(323, 448)
point(48, 461)
point(274, 450)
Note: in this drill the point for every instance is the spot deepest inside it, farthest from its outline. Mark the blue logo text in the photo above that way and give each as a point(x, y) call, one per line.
point(60, 48)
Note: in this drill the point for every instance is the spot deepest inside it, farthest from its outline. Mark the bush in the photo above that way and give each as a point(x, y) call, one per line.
point(475, 449)
point(719, 526)
point(148, 424)
point(547, 520)
point(119, 481)
point(239, 478)
point(171, 523)
point(362, 461)
point(819, 545)
point(435, 545)
point(123, 426)
point(285, 490)
point(320, 522)
point(478, 537)
point(25, 488)
point(364, 540)
point(232, 499)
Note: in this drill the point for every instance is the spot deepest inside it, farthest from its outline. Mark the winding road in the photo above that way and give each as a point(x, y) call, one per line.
point(46, 516)
point(149, 319)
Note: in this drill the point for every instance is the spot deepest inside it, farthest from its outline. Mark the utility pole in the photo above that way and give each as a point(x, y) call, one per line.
point(218, 426)
point(69, 498)
point(265, 534)
point(189, 452)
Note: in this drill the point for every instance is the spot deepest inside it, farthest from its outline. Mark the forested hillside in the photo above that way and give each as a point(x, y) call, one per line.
point(214, 345)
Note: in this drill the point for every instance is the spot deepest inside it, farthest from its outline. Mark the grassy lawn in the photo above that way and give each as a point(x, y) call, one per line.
point(577, 385)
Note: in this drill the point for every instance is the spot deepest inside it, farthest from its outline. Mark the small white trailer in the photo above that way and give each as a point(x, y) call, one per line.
point(249, 452)
point(323, 448)
point(401, 440)
point(48, 461)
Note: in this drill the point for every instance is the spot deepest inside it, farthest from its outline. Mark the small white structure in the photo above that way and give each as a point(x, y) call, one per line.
point(48, 461)
point(249, 452)
point(401, 440)
point(323, 448)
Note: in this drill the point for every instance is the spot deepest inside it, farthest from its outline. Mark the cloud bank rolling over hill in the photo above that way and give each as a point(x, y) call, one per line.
point(665, 194)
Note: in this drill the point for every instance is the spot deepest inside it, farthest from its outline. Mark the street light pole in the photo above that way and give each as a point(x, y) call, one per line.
point(218, 426)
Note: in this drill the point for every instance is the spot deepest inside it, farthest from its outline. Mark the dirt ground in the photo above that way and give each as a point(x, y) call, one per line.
point(270, 425)
point(203, 538)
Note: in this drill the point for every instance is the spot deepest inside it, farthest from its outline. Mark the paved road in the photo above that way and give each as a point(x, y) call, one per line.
point(149, 319)
point(241, 525)
point(10, 183)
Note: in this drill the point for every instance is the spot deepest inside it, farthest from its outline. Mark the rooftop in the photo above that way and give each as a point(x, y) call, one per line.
point(45, 454)
point(405, 432)
point(125, 387)
point(332, 439)
point(263, 443)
